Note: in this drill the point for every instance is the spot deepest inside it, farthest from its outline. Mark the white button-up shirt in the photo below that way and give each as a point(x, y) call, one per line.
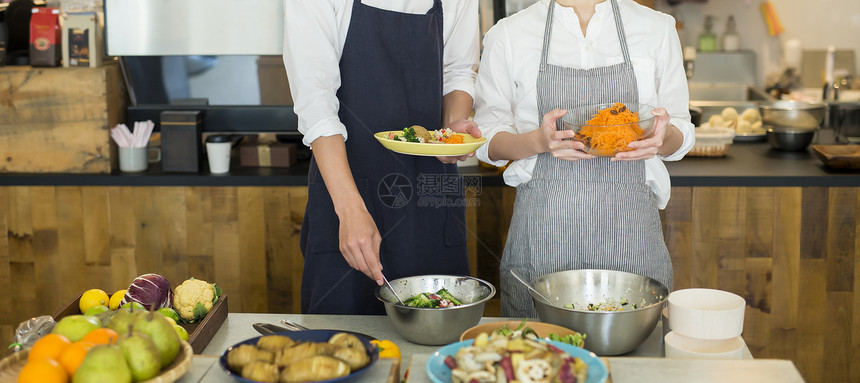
point(315, 32)
point(507, 99)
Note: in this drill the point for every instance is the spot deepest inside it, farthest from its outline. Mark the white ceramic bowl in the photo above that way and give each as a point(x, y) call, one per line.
point(682, 347)
point(706, 313)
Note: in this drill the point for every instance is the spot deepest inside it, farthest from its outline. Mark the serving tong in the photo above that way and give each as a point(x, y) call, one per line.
point(270, 328)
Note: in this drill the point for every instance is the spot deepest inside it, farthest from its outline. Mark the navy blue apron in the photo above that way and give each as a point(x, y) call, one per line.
point(391, 78)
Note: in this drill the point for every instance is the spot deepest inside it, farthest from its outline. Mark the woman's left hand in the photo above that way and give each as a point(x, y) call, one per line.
point(647, 148)
point(462, 126)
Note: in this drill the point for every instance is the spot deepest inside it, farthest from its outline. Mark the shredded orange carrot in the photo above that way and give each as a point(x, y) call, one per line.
point(454, 139)
point(610, 130)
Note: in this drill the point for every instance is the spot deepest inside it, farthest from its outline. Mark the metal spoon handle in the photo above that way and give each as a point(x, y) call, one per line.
point(392, 290)
point(523, 281)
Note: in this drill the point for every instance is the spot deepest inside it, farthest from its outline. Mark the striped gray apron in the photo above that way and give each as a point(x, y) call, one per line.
point(586, 214)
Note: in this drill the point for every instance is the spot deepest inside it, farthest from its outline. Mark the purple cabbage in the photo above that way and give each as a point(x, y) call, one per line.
point(150, 290)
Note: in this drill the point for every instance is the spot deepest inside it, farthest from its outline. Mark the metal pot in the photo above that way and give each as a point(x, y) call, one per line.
point(844, 119)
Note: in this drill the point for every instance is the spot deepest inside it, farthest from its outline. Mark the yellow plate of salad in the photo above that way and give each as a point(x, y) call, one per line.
point(418, 141)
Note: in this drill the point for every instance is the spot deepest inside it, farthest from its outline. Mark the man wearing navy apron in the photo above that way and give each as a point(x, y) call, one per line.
point(361, 67)
point(574, 210)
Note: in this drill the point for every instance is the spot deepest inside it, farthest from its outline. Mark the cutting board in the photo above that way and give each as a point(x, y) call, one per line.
point(661, 370)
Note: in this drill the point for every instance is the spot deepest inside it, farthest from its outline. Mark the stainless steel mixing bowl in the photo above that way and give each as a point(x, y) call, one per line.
point(792, 114)
point(790, 140)
point(436, 326)
point(606, 332)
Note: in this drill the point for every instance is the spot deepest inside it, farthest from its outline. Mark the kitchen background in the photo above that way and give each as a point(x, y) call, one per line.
point(232, 80)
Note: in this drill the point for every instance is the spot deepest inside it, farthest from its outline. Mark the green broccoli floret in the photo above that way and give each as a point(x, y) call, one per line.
point(422, 300)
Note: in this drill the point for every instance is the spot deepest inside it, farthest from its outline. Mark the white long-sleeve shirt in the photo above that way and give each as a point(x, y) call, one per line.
point(506, 96)
point(314, 35)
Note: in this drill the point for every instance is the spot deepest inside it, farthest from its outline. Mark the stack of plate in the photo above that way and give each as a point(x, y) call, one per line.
point(704, 323)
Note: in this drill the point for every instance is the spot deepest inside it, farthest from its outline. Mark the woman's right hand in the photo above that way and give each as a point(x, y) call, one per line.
point(359, 242)
point(557, 142)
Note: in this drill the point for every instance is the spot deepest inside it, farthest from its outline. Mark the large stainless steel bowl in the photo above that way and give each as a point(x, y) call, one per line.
point(790, 140)
point(436, 326)
point(607, 332)
point(792, 114)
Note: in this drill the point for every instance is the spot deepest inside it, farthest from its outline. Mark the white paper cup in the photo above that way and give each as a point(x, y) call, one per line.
point(706, 313)
point(219, 156)
point(682, 347)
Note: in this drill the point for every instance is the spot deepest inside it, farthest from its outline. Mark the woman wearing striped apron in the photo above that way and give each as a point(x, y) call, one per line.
point(574, 210)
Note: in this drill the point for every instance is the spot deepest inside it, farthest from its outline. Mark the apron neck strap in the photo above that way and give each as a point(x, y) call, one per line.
point(619, 28)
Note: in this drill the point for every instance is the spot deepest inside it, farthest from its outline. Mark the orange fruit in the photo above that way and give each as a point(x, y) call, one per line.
point(43, 370)
point(102, 335)
point(49, 346)
point(73, 355)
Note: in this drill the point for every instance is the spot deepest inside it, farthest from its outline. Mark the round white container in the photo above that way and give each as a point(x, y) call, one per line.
point(666, 326)
point(706, 313)
point(682, 347)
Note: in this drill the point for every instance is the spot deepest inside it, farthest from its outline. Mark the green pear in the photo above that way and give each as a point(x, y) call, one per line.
point(75, 327)
point(103, 364)
point(162, 333)
point(141, 355)
point(123, 318)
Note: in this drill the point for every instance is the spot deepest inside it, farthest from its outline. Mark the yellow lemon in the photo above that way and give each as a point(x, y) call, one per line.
point(116, 299)
point(93, 297)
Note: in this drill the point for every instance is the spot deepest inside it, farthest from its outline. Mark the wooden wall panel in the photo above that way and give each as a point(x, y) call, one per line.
point(792, 253)
point(174, 232)
point(6, 320)
point(147, 230)
point(279, 263)
point(298, 200)
point(705, 256)
point(785, 301)
point(252, 249)
point(94, 206)
point(812, 319)
point(678, 233)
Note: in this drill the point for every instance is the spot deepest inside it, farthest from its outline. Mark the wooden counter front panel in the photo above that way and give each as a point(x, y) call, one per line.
point(792, 253)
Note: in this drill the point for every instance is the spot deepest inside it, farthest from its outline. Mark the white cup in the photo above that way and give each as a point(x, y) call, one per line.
point(219, 156)
point(135, 160)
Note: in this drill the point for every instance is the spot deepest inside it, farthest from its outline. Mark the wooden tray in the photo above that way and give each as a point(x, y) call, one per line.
point(11, 366)
point(838, 156)
point(199, 333)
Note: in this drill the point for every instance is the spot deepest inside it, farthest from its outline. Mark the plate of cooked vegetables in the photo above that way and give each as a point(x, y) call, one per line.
point(418, 141)
point(506, 357)
point(529, 329)
point(608, 129)
point(300, 356)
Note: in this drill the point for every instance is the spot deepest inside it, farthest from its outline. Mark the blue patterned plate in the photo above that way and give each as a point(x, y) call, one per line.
point(440, 373)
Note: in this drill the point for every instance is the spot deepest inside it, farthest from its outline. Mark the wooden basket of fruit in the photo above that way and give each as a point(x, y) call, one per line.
point(153, 291)
point(11, 366)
